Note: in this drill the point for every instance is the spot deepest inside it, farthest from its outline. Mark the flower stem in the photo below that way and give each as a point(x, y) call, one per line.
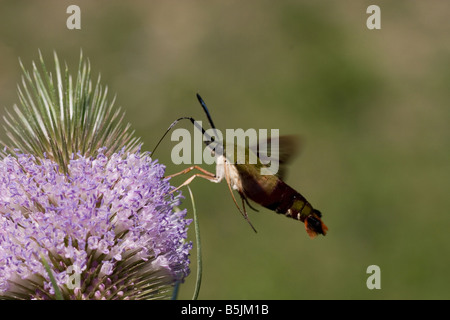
point(199, 248)
point(52, 278)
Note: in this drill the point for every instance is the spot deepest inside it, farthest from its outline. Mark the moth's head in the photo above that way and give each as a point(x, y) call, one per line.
point(215, 146)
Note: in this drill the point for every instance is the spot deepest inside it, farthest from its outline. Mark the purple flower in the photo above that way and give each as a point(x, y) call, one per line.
point(108, 228)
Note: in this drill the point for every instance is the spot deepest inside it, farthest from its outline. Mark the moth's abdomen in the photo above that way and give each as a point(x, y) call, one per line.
point(276, 195)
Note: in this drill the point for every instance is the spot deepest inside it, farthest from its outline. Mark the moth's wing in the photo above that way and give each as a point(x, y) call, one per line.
point(282, 149)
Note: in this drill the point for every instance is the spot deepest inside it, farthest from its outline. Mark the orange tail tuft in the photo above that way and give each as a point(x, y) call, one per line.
point(315, 226)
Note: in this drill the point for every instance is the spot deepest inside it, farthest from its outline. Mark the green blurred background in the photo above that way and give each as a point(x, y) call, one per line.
point(373, 107)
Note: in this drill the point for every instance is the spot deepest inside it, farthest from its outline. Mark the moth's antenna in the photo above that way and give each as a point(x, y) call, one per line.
point(203, 104)
point(195, 123)
point(206, 111)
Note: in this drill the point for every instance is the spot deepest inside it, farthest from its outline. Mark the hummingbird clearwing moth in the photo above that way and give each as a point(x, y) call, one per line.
point(267, 190)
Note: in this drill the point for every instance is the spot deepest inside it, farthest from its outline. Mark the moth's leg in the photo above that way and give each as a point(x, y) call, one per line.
point(190, 169)
point(242, 211)
point(245, 213)
point(204, 176)
point(248, 203)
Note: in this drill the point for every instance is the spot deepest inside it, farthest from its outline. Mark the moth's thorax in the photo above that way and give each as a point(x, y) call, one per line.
point(235, 181)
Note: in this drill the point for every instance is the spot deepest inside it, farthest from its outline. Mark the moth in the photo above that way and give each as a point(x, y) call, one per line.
point(245, 177)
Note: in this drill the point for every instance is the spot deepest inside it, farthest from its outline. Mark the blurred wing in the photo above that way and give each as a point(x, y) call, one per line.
point(284, 151)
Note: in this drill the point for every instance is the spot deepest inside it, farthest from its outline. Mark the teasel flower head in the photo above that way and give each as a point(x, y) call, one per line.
point(84, 214)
